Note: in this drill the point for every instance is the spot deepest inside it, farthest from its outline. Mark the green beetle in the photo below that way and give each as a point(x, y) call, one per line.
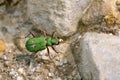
point(36, 44)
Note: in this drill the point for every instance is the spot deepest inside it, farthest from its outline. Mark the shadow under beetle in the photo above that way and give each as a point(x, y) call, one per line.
point(36, 44)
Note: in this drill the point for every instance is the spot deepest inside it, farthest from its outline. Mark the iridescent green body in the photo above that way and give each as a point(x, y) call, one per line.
point(40, 43)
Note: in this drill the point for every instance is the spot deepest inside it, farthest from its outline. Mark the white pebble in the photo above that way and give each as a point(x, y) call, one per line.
point(20, 78)
point(50, 74)
point(5, 57)
point(58, 78)
point(79, 37)
point(0, 76)
point(21, 70)
point(13, 73)
point(110, 34)
point(76, 46)
point(45, 57)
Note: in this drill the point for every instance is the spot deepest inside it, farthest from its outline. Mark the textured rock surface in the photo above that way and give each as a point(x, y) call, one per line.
point(97, 56)
point(98, 9)
point(61, 16)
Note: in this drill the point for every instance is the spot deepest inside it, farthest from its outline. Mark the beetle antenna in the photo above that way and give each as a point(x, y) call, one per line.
point(27, 35)
point(30, 34)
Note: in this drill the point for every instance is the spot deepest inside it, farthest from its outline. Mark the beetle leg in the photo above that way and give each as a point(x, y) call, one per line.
point(48, 52)
point(32, 34)
point(54, 49)
point(53, 34)
point(45, 34)
point(29, 34)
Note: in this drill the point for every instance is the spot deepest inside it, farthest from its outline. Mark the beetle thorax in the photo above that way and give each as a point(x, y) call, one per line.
point(52, 41)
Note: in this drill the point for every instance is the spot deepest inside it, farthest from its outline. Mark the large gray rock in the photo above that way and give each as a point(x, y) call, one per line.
point(61, 16)
point(98, 56)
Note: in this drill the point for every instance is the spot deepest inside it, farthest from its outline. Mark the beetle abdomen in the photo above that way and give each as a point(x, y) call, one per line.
point(36, 44)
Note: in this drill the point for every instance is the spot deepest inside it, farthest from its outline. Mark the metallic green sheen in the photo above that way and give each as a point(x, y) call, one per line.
point(54, 41)
point(36, 44)
point(49, 41)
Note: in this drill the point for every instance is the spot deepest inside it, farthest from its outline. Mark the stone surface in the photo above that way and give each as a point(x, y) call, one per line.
point(118, 4)
point(97, 56)
point(61, 16)
point(98, 9)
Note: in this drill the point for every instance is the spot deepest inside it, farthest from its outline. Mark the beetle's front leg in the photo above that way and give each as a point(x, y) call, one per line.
point(48, 53)
point(45, 34)
point(53, 34)
point(54, 49)
point(32, 34)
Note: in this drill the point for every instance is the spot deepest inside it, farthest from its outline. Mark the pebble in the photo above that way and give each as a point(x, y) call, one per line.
point(50, 74)
point(45, 57)
point(58, 78)
point(79, 37)
point(0, 77)
point(13, 73)
point(21, 70)
point(63, 61)
point(4, 57)
point(118, 2)
point(20, 43)
point(2, 46)
point(20, 78)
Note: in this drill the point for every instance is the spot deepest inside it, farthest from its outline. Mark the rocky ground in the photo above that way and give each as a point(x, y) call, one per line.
point(16, 63)
point(19, 17)
point(21, 66)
